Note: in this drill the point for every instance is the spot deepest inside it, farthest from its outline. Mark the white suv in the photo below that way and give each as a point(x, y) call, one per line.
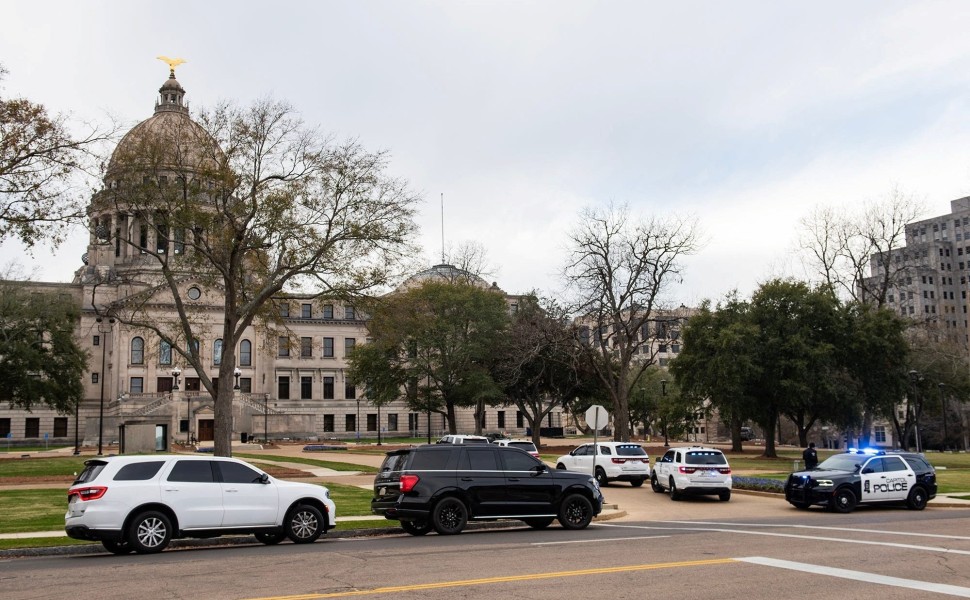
point(693, 470)
point(463, 439)
point(615, 461)
point(520, 444)
point(140, 503)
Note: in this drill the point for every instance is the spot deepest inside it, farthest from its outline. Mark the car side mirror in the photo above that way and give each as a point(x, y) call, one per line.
point(263, 478)
point(573, 453)
point(540, 469)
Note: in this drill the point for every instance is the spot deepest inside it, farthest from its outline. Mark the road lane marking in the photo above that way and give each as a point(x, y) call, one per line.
point(913, 584)
point(903, 533)
point(507, 579)
point(640, 537)
point(800, 537)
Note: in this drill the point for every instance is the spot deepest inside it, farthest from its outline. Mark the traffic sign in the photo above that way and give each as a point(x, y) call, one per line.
point(597, 417)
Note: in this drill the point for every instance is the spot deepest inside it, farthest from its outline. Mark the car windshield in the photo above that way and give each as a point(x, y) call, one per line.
point(630, 450)
point(475, 441)
point(393, 462)
point(705, 458)
point(91, 470)
point(842, 462)
point(527, 446)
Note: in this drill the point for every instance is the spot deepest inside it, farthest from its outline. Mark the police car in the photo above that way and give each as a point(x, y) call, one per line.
point(845, 480)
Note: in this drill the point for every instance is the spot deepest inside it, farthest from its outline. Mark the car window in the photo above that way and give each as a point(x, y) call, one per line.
point(479, 459)
point(705, 457)
point(841, 462)
point(605, 450)
point(516, 460)
point(581, 451)
point(630, 450)
point(527, 446)
point(140, 471)
point(433, 459)
point(918, 463)
point(668, 457)
point(893, 463)
point(197, 471)
point(92, 468)
point(873, 466)
point(233, 472)
point(393, 462)
point(677, 457)
point(475, 441)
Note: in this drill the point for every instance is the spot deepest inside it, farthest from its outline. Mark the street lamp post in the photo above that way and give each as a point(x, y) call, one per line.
point(663, 392)
point(357, 423)
point(915, 377)
point(103, 328)
point(379, 440)
point(943, 407)
point(77, 442)
point(176, 373)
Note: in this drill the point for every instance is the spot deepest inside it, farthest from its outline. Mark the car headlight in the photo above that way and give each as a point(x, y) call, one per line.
point(823, 483)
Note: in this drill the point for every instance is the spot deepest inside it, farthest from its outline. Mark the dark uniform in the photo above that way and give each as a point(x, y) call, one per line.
point(810, 456)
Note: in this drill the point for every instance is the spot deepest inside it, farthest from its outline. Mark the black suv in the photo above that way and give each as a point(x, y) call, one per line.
point(861, 477)
point(443, 486)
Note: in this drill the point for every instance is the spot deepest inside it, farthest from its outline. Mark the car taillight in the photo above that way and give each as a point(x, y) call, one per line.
point(724, 470)
point(408, 482)
point(88, 493)
point(619, 461)
point(687, 469)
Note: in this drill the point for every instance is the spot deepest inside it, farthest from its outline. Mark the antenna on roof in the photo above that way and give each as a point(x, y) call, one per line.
point(442, 228)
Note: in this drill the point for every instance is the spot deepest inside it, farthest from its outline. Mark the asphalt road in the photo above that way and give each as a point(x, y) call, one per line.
point(748, 548)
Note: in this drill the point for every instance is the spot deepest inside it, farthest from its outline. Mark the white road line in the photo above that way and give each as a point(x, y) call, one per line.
point(878, 531)
point(939, 549)
point(913, 584)
point(642, 537)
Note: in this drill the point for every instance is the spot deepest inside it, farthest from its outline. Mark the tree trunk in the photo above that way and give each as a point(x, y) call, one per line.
point(452, 420)
point(769, 431)
point(735, 434)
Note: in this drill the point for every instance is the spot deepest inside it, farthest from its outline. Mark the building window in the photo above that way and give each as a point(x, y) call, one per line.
point(306, 311)
point(283, 346)
point(328, 423)
point(349, 313)
point(350, 391)
point(880, 432)
point(137, 351)
point(246, 385)
point(32, 427)
point(519, 419)
point(306, 388)
point(60, 426)
point(328, 347)
point(371, 422)
point(245, 353)
point(328, 311)
point(328, 388)
point(136, 385)
point(392, 422)
point(500, 422)
point(217, 352)
point(306, 347)
point(4, 427)
point(349, 345)
point(350, 423)
point(95, 377)
point(96, 341)
point(164, 353)
point(283, 388)
point(284, 309)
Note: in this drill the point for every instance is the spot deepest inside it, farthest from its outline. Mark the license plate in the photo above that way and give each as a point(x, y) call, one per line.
point(709, 474)
point(381, 491)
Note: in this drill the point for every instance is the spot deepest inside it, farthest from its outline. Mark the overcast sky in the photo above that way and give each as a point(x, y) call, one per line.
point(743, 114)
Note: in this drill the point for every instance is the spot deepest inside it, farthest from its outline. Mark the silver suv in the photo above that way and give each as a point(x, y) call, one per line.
point(693, 470)
point(141, 503)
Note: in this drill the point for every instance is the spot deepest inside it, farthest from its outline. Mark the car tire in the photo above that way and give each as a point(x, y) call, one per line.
point(304, 524)
point(674, 492)
point(420, 527)
point(655, 485)
point(601, 477)
point(917, 498)
point(119, 547)
point(150, 532)
point(561, 467)
point(449, 516)
point(638, 482)
point(843, 500)
point(575, 512)
point(539, 522)
point(270, 538)
point(724, 495)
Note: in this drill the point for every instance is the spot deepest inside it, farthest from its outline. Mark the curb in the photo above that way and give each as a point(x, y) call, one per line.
point(780, 496)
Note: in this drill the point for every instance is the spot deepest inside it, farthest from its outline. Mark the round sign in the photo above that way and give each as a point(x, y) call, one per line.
point(597, 417)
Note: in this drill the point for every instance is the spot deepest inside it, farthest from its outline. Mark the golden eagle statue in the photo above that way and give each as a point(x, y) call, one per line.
point(171, 62)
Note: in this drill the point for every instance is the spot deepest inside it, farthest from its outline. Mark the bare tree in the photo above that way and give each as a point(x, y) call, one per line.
point(618, 271)
point(252, 203)
point(857, 254)
point(42, 165)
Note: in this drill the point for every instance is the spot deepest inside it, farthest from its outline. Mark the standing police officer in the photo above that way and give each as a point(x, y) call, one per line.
point(810, 456)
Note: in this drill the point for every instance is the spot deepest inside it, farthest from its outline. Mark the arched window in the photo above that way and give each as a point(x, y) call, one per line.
point(164, 353)
point(137, 351)
point(246, 353)
point(217, 353)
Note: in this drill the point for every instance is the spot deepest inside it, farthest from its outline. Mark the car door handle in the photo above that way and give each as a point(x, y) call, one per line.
point(513, 479)
point(171, 489)
point(232, 491)
point(468, 479)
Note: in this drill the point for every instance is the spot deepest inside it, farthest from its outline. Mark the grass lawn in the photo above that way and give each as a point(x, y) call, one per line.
point(25, 449)
point(42, 467)
point(326, 464)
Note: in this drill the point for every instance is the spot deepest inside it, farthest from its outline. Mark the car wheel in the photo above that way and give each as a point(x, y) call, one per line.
point(917, 498)
point(119, 547)
point(539, 523)
point(843, 501)
point(655, 485)
point(416, 527)
point(575, 512)
point(304, 524)
point(270, 538)
point(561, 467)
point(150, 532)
point(674, 493)
point(449, 516)
point(601, 477)
point(724, 496)
point(638, 482)
point(801, 505)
